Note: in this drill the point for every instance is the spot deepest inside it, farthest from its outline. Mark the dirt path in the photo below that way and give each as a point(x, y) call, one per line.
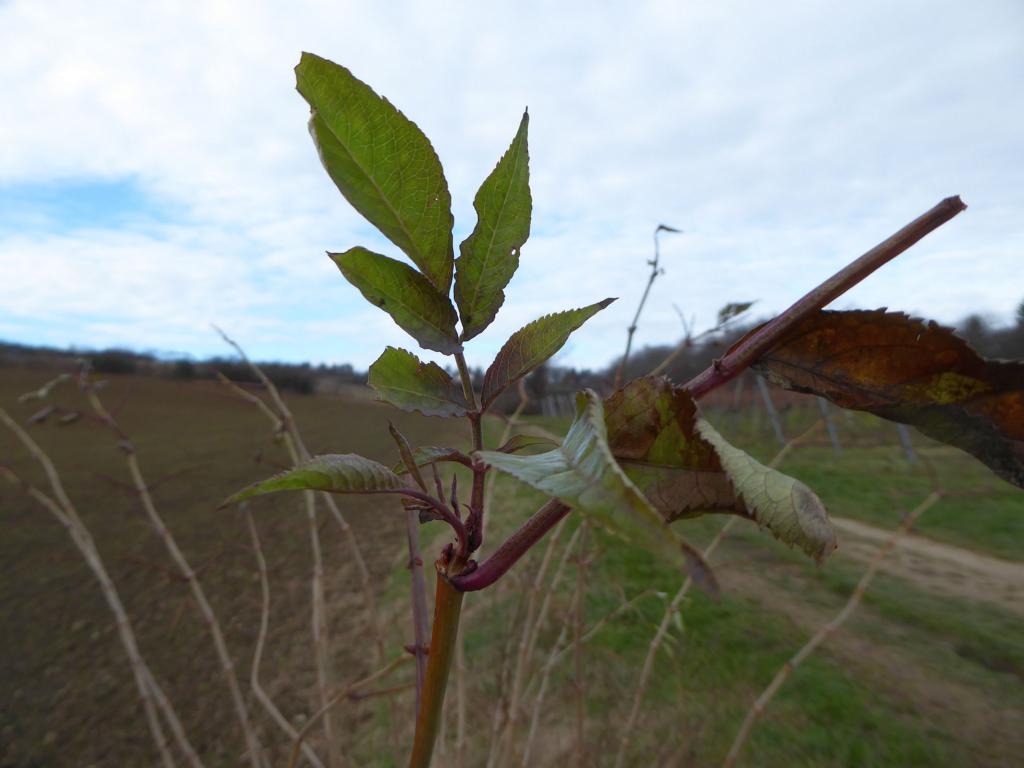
point(938, 568)
point(972, 715)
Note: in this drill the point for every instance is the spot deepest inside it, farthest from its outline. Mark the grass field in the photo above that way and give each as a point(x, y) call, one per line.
point(921, 675)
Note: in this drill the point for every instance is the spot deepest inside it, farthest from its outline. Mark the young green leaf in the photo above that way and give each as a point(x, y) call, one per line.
point(911, 371)
point(531, 345)
point(490, 255)
point(733, 309)
point(333, 472)
point(413, 303)
point(430, 454)
point(583, 473)
point(686, 469)
point(382, 163)
point(405, 381)
point(518, 443)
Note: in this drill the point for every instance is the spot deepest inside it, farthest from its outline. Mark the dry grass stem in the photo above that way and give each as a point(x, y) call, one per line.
point(580, 746)
point(261, 639)
point(673, 607)
point(64, 511)
point(528, 638)
point(333, 699)
point(284, 423)
point(188, 573)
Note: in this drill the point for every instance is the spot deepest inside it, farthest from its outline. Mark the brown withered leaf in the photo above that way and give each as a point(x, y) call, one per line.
point(912, 371)
point(652, 433)
point(685, 468)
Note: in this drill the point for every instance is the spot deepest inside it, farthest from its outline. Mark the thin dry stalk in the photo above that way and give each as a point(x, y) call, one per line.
point(558, 651)
point(254, 676)
point(321, 641)
point(188, 573)
point(545, 607)
point(64, 511)
point(337, 697)
point(460, 699)
point(526, 642)
point(284, 424)
point(656, 270)
point(417, 582)
point(560, 647)
point(171, 717)
point(577, 612)
point(418, 588)
point(690, 339)
point(504, 668)
point(298, 451)
point(828, 629)
point(656, 641)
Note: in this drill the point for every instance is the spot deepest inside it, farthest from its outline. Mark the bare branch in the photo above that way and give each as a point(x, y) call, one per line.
point(170, 543)
point(261, 639)
point(65, 513)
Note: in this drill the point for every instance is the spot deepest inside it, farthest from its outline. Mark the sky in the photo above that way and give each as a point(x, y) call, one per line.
point(156, 174)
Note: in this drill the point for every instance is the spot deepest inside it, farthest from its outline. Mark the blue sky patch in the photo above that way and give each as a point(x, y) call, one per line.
point(58, 207)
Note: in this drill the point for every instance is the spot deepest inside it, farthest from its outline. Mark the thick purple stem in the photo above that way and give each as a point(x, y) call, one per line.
point(746, 352)
point(508, 554)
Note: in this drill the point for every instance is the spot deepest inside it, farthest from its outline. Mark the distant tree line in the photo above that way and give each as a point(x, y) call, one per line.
point(302, 378)
point(547, 381)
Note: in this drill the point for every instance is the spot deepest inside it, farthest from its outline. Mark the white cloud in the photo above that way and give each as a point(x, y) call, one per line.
point(785, 139)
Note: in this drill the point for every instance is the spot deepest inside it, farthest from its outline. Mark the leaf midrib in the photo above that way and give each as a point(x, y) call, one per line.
point(494, 231)
point(401, 222)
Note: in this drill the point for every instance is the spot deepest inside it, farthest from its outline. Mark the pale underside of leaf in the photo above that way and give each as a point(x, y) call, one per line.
point(406, 382)
point(490, 255)
point(334, 473)
point(382, 163)
point(398, 289)
point(787, 507)
point(583, 473)
point(531, 345)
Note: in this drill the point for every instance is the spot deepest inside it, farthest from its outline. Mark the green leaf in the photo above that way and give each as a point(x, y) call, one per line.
point(784, 505)
point(382, 163)
point(911, 371)
point(686, 469)
point(733, 309)
point(490, 255)
point(405, 381)
point(430, 454)
point(404, 294)
point(333, 472)
point(531, 345)
point(518, 443)
point(583, 473)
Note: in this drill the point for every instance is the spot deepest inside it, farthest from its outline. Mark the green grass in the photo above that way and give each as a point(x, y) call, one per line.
point(729, 649)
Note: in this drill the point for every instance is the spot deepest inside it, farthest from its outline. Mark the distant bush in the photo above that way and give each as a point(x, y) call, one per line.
point(114, 361)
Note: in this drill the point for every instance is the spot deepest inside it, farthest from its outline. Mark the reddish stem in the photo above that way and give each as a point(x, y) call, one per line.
point(518, 544)
point(748, 350)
